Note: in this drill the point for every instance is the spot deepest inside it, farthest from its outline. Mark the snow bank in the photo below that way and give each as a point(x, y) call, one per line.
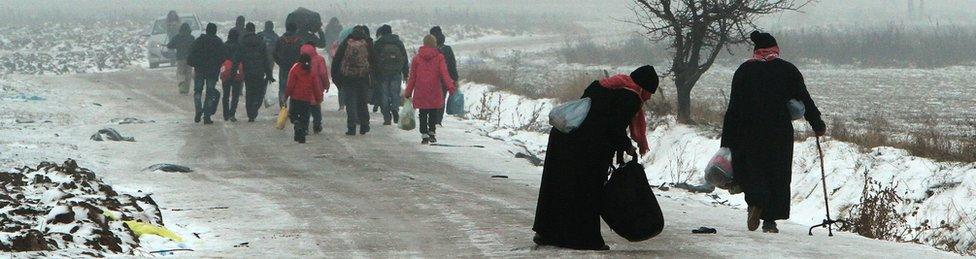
point(68, 210)
point(885, 192)
point(71, 48)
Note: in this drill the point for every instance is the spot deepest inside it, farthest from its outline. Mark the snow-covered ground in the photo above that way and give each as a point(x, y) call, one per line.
point(929, 202)
point(71, 48)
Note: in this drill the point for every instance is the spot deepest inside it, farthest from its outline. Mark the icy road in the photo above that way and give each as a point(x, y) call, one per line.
point(255, 193)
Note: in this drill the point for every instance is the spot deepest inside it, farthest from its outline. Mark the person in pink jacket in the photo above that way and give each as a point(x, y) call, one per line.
point(428, 77)
point(321, 72)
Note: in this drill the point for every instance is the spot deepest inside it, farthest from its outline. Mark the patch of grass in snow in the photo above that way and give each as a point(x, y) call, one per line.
point(928, 142)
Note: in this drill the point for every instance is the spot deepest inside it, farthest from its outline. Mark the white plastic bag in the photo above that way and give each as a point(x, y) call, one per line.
point(407, 121)
point(567, 117)
point(719, 170)
point(797, 109)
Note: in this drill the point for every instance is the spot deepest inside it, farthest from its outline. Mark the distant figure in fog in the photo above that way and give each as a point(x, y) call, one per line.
point(449, 57)
point(239, 27)
point(577, 163)
point(206, 57)
point(758, 129)
point(428, 75)
point(257, 70)
point(182, 43)
point(332, 30)
point(270, 38)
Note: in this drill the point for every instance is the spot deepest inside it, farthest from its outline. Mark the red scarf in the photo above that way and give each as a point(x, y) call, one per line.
point(638, 125)
point(765, 54)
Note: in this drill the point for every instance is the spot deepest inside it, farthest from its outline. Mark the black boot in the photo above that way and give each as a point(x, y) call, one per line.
point(317, 129)
point(207, 120)
point(769, 226)
point(196, 118)
point(351, 132)
point(363, 129)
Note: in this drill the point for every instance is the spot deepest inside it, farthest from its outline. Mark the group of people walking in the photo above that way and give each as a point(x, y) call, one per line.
point(758, 130)
point(366, 71)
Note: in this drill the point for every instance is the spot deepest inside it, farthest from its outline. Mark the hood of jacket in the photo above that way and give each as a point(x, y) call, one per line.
point(309, 50)
point(427, 53)
point(389, 38)
point(185, 29)
point(269, 26)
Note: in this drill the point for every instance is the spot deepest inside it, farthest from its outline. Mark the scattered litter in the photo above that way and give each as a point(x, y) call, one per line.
point(24, 121)
point(499, 176)
point(535, 160)
point(449, 145)
point(97, 104)
point(703, 188)
point(142, 228)
point(53, 207)
point(129, 120)
point(24, 97)
point(704, 230)
point(110, 134)
point(169, 168)
point(245, 244)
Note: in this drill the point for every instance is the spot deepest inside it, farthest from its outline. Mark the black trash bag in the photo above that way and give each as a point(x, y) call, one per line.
point(629, 206)
point(170, 168)
point(307, 20)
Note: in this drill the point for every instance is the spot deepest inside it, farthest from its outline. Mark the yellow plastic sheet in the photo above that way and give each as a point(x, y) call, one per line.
point(140, 228)
point(282, 118)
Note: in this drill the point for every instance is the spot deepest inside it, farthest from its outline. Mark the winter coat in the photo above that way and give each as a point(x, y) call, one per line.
point(303, 85)
point(337, 76)
point(394, 40)
point(758, 129)
point(451, 60)
point(332, 32)
point(182, 42)
point(269, 36)
point(319, 68)
point(253, 54)
point(576, 166)
point(207, 55)
point(286, 50)
point(428, 77)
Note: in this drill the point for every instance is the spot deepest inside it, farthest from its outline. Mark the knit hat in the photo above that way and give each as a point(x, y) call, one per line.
point(762, 40)
point(646, 78)
point(384, 30)
point(438, 34)
point(211, 29)
point(430, 41)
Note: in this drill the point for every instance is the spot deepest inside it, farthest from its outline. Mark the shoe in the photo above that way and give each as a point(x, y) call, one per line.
point(351, 132)
point(300, 140)
point(207, 120)
point(769, 226)
point(387, 123)
point(232, 119)
point(317, 129)
point(396, 118)
point(753, 221)
point(376, 108)
point(425, 141)
point(196, 118)
point(433, 139)
point(363, 130)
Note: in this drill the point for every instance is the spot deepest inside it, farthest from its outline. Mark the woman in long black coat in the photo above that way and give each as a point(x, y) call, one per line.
point(759, 131)
point(577, 163)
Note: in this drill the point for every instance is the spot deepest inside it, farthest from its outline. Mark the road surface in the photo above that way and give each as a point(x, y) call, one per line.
point(255, 193)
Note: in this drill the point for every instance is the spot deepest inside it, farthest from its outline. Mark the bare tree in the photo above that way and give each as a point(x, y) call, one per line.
point(698, 31)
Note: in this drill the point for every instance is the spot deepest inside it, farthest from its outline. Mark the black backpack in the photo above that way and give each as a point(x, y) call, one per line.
point(389, 58)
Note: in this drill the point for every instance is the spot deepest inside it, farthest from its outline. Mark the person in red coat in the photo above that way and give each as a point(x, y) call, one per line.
point(304, 90)
point(321, 71)
point(428, 76)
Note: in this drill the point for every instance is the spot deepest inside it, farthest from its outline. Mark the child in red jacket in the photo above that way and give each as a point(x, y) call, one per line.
point(304, 90)
point(428, 77)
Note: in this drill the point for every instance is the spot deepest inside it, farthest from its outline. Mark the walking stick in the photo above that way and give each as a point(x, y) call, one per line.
point(828, 222)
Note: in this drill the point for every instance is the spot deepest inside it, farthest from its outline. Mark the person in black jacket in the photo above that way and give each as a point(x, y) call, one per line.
point(356, 85)
point(182, 43)
point(232, 85)
point(205, 57)
point(331, 35)
point(577, 163)
point(391, 68)
point(239, 27)
point(285, 54)
point(257, 70)
point(449, 57)
point(759, 131)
